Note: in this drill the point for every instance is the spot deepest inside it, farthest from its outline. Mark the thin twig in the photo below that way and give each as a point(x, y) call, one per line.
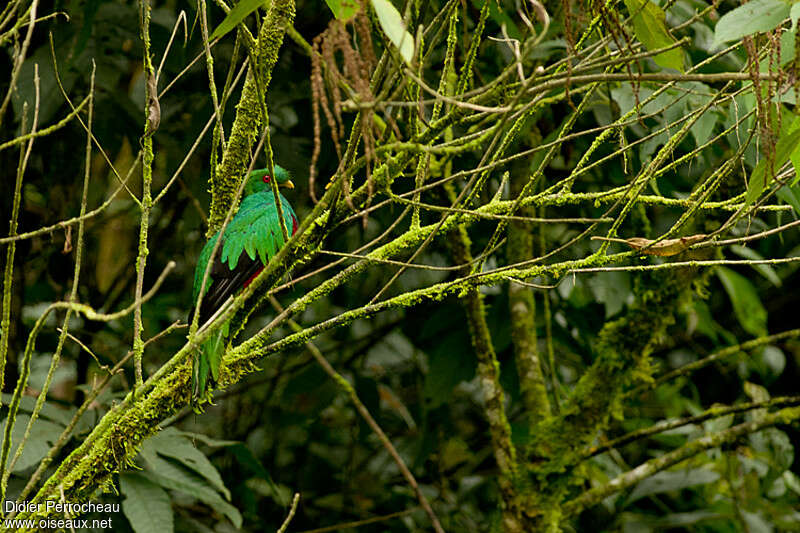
point(285, 526)
point(359, 523)
point(364, 412)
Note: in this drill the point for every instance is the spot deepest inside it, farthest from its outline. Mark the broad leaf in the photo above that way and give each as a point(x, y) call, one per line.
point(704, 127)
point(773, 361)
point(756, 523)
point(450, 355)
point(146, 506)
point(681, 520)
point(765, 270)
point(208, 441)
point(746, 304)
point(500, 16)
point(795, 155)
point(792, 481)
point(170, 443)
point(611, 289)
point(649, 24)
point(750, 18)
point(794, 14)
point(174, 477)
point(51, 412)
point(392, 24)
point(670, 481)
point(791, 195)
point(43, 435)
point(344, 10)
point(237, 15)
point(775, 446)
point(700, 319)
point(760, 178)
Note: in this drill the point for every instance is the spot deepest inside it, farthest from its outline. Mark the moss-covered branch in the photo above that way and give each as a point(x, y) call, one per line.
point(489, 378)
point(152, 118)
point(596, 495)
point(249, 112)
point(622, 358)
point(116, 439)
point(522, 310)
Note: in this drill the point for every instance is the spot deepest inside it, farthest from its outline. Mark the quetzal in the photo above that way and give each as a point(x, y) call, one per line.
point(251, 238)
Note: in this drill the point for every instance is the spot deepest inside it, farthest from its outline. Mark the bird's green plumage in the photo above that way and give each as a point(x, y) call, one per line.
point(251, 238)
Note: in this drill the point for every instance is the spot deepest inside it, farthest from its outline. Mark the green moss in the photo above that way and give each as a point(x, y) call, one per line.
point(115, 443)
point(623, 349)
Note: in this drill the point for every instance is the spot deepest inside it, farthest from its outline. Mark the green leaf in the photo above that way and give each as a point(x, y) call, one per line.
point(208, 441)
point(795, 156)
point(455, 452)
point(704, 127)
point(756, 523)
point(174, 477)
point(772, 360)
point(792, 481)
point(56, 414)
point(759, 179)
point(682, 520)
point(237, 15)
point(392, 24)
point(450, 356)
point(249, 461)
point(649, 24)
point(500, 16)
point(43, 435)
point(443, 376)
point(746, 304)
point(670, 481)
point(700, 319)
point(756, 393)
point(752, 17)
point(794, 14)
point(170, 443)
point(280, 494)
point(344, 10)
point(790, 195)
point(716, 425)
point(775, 446)
point(765, 270)
point(611, 289)
point(146, 506)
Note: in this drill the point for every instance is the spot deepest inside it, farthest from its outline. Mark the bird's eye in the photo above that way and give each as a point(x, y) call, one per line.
point(266, 178)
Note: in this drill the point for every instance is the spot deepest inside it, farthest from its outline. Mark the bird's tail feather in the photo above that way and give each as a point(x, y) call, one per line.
point(205, 368)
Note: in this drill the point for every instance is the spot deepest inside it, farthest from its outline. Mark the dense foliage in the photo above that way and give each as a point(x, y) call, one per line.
point(545, 277)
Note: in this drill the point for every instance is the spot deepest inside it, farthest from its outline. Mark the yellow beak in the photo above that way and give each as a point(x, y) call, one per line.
point(288, 184)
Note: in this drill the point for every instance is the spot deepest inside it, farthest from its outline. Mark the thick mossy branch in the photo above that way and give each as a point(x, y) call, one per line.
point(545, 482)
point(114, 442)
point(522, 308)
point(249, 112)
point(489, 377)
point(623, 351)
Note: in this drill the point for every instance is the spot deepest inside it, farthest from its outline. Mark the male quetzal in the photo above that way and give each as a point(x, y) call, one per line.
point(251, 238)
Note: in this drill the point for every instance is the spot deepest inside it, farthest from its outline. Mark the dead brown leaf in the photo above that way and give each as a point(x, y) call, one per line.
point(663, 248)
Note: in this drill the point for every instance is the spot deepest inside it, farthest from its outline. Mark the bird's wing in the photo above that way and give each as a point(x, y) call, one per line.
point(200, 269)
point(252, 237)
